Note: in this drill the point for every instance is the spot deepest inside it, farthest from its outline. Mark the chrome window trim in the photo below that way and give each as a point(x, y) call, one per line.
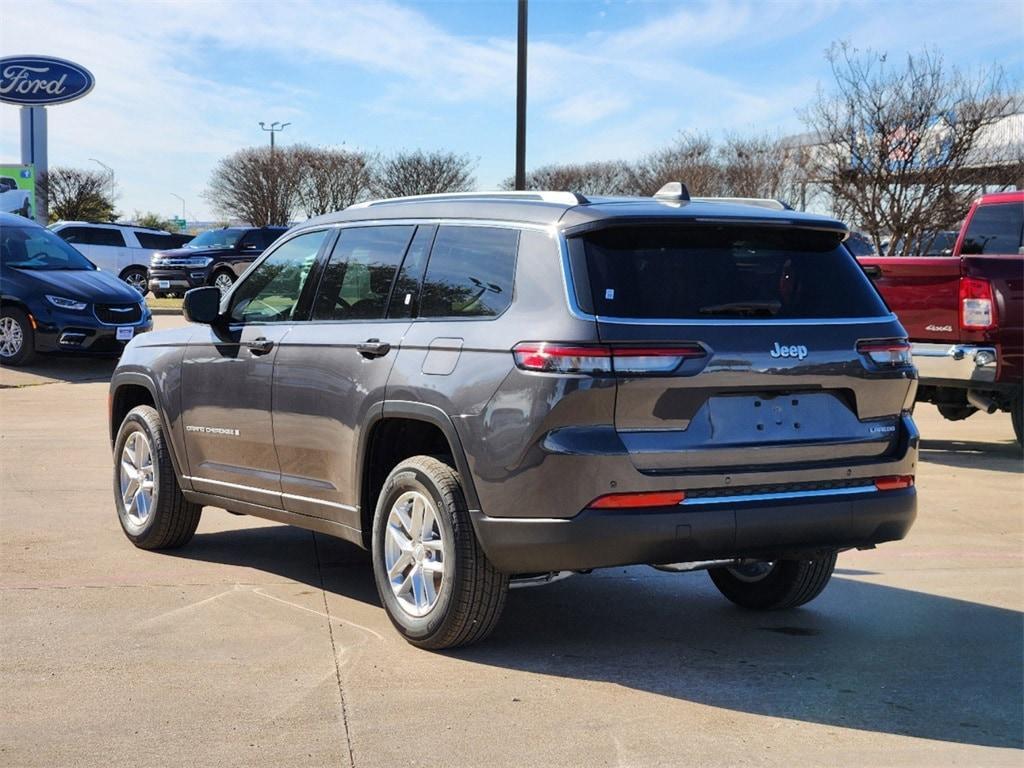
point(779, 496)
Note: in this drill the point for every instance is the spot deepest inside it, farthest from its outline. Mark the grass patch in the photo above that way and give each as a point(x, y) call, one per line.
point(165, 303)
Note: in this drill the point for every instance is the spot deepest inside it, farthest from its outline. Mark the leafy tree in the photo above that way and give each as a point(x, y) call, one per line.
point(77, 194)
point(154, 221)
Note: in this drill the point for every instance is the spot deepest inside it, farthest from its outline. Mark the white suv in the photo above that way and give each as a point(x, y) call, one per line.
point(121, 249)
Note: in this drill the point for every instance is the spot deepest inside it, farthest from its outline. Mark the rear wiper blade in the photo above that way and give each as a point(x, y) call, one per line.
point(743, 308)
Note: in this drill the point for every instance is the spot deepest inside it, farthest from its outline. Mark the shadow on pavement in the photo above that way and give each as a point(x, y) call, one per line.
point(292, 553)
point(862, 656)
point(67, 368)
point(972, 454)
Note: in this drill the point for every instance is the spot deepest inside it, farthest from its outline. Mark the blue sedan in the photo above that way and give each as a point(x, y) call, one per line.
point(53, 299)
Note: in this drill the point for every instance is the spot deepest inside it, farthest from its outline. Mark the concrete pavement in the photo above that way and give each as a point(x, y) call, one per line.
point(260, 644)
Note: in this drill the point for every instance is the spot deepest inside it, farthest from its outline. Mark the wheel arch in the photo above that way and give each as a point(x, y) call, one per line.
point(433, 430)
point(129, 389)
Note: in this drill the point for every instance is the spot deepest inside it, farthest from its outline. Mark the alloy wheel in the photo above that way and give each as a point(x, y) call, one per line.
point(12, 337)
point(137, 477)
point(138, 281)
point(224, 282)
point(751, 572)
point(414, 553)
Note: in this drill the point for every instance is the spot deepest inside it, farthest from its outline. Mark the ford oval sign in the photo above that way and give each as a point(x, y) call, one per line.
point(37, 81)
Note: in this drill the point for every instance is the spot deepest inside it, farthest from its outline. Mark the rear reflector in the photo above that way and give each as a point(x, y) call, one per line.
point(977, 308)
point(553, 357)
point(894, 482)
point(635, 500)
point(887, 352)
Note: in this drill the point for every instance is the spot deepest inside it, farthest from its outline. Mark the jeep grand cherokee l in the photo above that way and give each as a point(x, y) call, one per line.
point(487, 387)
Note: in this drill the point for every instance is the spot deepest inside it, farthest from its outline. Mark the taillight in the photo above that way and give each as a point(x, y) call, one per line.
point(553, 357)
point(889, 353)
point(977, 305)
point(637, 500)
point(894, 482)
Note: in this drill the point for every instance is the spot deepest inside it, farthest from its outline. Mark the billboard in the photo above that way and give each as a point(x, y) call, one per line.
point(18, 190)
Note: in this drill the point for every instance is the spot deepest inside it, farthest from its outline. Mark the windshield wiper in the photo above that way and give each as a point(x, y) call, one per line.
point(751, 308)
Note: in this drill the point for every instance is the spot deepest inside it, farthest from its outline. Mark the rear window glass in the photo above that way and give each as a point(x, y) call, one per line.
point(995, 229)
point(722, 272)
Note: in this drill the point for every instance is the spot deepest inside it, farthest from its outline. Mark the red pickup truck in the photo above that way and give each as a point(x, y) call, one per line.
point(964, 312)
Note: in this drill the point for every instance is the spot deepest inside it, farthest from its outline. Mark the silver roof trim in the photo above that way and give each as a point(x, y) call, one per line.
point(544, 196)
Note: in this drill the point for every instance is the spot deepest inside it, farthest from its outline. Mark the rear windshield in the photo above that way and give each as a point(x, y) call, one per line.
point(720, 272)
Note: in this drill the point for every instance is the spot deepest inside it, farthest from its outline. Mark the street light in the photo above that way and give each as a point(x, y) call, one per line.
point(184, 218)
point(521, 97)
point(273, 128)
point(110, 173)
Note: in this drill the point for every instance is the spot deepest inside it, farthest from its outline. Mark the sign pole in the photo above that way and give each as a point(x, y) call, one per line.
point(33, 152)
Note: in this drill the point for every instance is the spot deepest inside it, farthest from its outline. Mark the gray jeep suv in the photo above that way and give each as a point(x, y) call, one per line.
point(504, 387)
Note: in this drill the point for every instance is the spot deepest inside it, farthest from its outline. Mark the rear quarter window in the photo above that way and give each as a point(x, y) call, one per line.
point(696, 273)
point(470, 272)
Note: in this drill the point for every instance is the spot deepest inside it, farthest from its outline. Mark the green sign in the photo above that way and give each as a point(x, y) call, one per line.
point(181, 224)
point(18, 190)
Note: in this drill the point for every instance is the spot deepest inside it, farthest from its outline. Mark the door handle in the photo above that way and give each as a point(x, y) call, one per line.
point(260, 346)
point(872, 270)
point(373, 348)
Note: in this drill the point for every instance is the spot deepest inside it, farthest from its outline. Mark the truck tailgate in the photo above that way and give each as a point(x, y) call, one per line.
point(922, 291)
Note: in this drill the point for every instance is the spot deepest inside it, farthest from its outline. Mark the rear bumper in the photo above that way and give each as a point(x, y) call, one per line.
point(965, 365)
point(703, 530)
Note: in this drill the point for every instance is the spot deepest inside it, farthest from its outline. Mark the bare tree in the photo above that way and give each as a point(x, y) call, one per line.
point(333, 179)
point(423, 173)
point(901, 147)
point(77, 194)
point(753, 166)
point(690, 159)
point(257, 185)
point(602, 177)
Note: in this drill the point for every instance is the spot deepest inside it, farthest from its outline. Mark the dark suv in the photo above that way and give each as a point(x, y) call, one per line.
point(216, 257)
point(486, 388)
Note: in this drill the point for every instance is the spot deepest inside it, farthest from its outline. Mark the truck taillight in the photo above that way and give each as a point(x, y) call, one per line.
point(553, 357)
point(977, 304)
point(892, 353)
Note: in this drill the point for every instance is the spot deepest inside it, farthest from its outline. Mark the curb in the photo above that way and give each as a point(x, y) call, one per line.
point(165, 311)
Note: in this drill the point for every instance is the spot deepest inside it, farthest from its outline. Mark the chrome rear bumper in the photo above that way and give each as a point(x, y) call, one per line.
point(967, 363)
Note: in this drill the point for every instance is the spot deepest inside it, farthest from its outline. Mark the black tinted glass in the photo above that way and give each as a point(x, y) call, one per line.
point(271, 291)
point(470, 272)
point(404, 297)
point(698, 273)
point(155, 240)
point(92, 236)
point(995, 229)
point(357, 280)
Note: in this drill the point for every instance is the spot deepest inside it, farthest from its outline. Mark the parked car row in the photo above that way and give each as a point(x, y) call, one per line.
point(167, 263)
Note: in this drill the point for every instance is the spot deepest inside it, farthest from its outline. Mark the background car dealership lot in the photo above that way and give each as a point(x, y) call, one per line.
point(260, 644)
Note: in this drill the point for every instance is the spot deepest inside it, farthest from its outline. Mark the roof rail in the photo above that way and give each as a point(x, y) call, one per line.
point(564, 198)
point(760, 202)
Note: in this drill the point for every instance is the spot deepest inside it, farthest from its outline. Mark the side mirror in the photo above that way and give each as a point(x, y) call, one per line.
point(202, 305)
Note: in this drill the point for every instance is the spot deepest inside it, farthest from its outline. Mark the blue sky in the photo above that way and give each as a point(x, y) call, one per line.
point(181, 84)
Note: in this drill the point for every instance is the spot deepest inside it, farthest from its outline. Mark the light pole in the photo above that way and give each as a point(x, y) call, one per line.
point(183, 218)
point(272, 129)
point(110, 173)
point(521, 99)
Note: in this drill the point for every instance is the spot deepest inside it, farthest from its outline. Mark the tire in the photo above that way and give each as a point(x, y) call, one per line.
point(137, 278)
point(223, 279)
point(17, 339)
point(787, 584)
point(956, 412)
point(468, 601)
point(1017, 416)
point(170, 520)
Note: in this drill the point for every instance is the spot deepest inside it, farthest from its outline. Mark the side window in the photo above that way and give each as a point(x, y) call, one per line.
point(154, 240)
point(251, 241)
point(103, 236)
point(357, 280)
point(995, 229)
point(404, 297)
point(270, 292)
point(470, 272)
